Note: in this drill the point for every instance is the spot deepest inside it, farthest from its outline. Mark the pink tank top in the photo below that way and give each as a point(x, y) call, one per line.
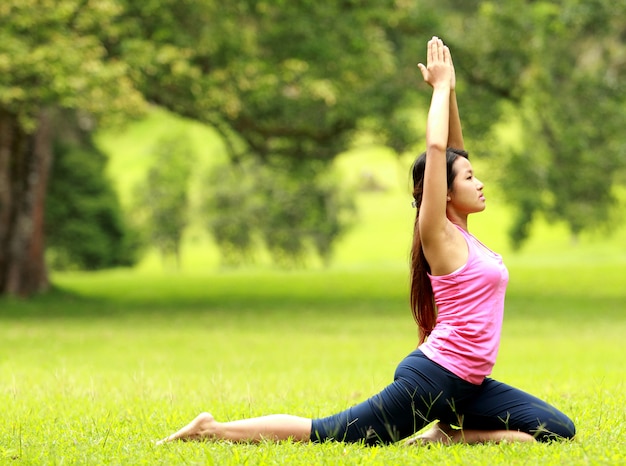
point(470, 308)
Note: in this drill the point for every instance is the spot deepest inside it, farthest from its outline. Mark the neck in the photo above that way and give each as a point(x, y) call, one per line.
point(458, 219)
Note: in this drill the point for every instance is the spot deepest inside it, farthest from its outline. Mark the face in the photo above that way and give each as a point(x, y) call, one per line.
point(466, 195)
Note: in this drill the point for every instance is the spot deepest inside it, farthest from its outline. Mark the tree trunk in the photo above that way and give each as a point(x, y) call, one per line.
point(24, 169)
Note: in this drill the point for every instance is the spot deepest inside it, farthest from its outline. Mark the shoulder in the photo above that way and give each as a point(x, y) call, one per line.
point(447, 253)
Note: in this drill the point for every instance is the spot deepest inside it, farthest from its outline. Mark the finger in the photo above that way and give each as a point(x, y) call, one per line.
point(423, 70)
point(449, 53)
point(439, 50)
point(431, 51)
point(447, 58)
point(434, 45)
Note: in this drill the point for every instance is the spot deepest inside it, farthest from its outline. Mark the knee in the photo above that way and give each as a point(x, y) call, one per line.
point(559, 428)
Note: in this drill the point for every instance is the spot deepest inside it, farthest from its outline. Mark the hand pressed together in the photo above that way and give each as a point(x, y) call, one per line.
point(439, 70)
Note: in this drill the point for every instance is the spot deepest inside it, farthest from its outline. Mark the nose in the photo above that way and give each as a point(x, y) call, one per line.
point(479, 184)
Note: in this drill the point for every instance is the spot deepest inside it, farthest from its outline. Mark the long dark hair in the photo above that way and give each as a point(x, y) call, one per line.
point(422, 297)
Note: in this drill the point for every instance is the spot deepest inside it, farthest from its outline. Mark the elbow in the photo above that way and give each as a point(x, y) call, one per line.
point(436, 147)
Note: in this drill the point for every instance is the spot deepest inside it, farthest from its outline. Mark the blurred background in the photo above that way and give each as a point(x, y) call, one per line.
point(202, 135)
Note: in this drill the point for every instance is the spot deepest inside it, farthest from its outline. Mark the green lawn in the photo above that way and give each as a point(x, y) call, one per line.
point(96, 371)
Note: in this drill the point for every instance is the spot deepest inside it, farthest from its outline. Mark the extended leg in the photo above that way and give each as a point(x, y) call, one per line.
point(273, 427)
point(414, 398)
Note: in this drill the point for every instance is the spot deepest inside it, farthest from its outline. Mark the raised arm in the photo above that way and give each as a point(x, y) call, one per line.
point(455, 132)
point(432, 213)
point(443, 245)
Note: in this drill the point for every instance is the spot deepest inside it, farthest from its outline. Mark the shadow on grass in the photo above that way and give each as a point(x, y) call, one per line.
point(57, 302)
point(542, 295)
point(63, 302)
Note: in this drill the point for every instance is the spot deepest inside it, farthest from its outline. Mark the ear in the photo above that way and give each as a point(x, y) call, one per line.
point(449, 194)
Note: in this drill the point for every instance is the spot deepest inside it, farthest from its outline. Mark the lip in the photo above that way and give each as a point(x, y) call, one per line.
point(481, 197)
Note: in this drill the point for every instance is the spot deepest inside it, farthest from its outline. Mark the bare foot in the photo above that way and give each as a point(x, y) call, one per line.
point(202, 427)
point(445, 434)
point(439, 433)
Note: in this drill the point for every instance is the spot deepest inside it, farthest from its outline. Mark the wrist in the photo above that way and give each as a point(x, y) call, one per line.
point(442, 86)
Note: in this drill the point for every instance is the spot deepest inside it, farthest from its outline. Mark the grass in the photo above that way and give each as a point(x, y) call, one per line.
point(95, 371)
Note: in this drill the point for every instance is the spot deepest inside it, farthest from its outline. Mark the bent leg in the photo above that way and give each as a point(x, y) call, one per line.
point(498, 406)
point(421, 392)
point(274, 427)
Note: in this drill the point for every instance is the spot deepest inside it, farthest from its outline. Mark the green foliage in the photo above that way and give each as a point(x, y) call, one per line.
point(300, 80)
point(163, 196)
point(565, 88)
point(85, 228)
point(578, 107)
point(231, 208)
point(52, 54)
point(294, 79)
point(291, 210)
point(53, 58)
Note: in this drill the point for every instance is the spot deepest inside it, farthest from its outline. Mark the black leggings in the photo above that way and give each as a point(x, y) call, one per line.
point(423, 391)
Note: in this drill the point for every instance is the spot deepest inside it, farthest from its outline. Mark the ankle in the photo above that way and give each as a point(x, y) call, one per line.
point(206, 426)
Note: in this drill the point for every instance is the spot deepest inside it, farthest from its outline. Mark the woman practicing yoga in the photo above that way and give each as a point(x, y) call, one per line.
point(457, 298)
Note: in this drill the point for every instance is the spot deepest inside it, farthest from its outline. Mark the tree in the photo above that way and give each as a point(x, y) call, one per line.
point(51, 57)
point(559, 66)
point(84, 224)
point(284, 79)
point(164, 194)
point(231, 206)
point(291, 210)
point(290, 79)
point(572, 113)
point(297, 80)
point(287, 85)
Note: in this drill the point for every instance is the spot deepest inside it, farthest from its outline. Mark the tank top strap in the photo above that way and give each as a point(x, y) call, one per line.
point(469, 239)
point(474, 244)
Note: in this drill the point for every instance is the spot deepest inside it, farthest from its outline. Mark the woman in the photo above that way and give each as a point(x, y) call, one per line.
point(457, 297)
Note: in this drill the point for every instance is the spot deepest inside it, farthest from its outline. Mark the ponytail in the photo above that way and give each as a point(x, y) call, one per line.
point(422, 297)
